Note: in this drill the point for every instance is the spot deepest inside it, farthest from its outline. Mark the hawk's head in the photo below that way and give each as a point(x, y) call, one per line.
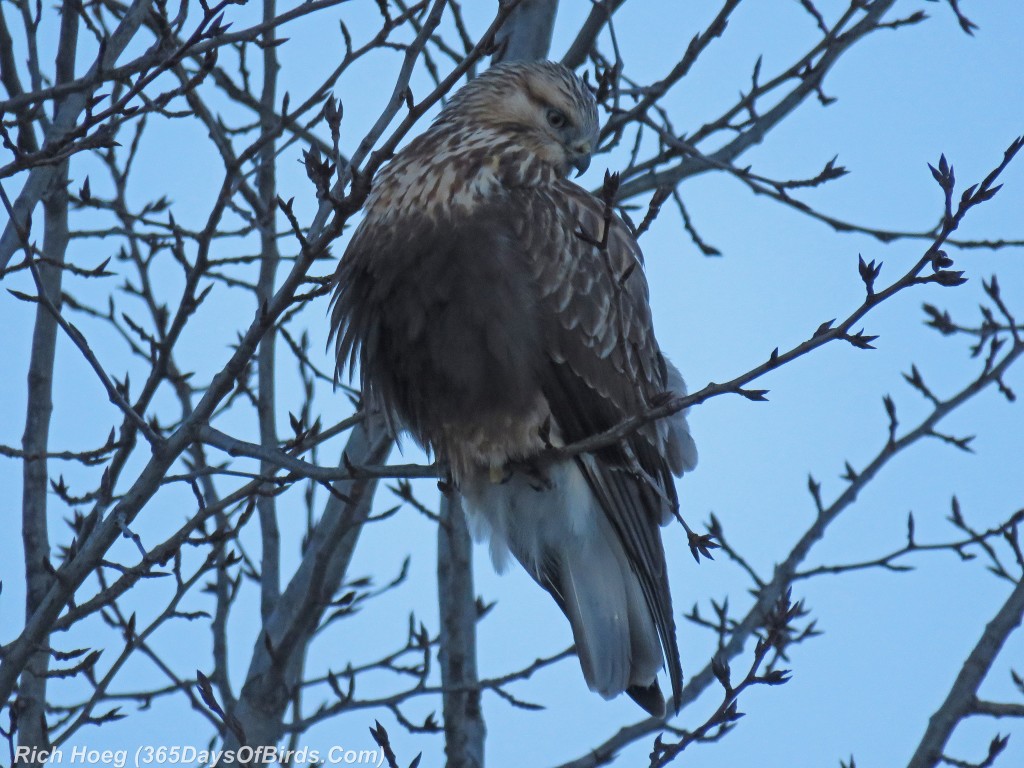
point(541, 105)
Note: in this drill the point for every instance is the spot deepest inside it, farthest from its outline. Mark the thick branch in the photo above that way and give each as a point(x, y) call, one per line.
point(32, 702)
point(962, 699)
point(266, 186)
point(600, 15)
point(527, 34)
point(463, 719)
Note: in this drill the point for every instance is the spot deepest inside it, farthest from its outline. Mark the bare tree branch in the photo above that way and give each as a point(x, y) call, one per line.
point(527, 35)
point(962, 697)
point(600, 15)
point(15, 234)
point(266, 220)
point(280, 648)
point(463, 718)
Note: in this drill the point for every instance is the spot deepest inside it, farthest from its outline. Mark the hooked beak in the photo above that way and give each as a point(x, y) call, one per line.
point(580, 158)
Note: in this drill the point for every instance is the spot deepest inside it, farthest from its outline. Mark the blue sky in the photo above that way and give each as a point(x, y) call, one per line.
point(892, 642)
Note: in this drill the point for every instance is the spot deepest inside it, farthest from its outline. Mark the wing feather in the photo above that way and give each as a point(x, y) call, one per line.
point(605, 366)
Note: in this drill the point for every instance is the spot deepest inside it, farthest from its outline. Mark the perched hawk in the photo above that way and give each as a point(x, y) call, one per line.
point(491, 316)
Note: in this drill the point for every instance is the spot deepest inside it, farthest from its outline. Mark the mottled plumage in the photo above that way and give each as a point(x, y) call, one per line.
point(487, 323)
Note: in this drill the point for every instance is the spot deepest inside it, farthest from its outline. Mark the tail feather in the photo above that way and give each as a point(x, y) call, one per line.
point(595, 602)
point(638, 539)
point(650, 698)
point(561, 535)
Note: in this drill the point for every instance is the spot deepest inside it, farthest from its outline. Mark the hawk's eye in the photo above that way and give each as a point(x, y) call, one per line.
point(557, 119)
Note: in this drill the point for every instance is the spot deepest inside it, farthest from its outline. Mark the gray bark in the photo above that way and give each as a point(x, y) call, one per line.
point(963, 695)
point(527, 33)
point(266, 186)
point(600, 16)
point(32, 730)
point(464, 728)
